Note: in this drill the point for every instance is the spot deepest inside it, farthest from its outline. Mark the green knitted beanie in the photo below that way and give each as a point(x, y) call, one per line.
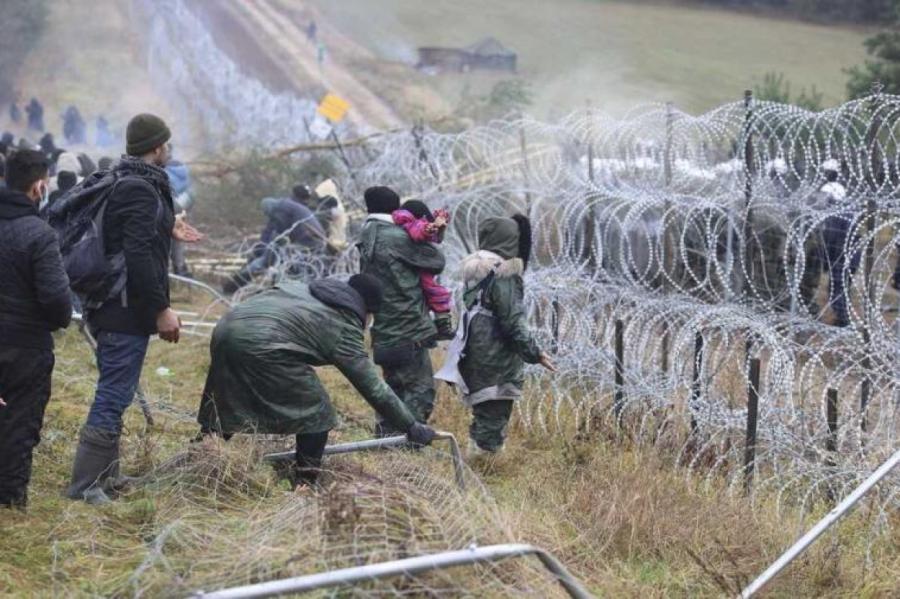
point(145, 133)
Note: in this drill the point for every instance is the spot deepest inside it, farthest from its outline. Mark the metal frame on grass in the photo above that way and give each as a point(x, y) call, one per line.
point(403, 567)
point(385, 443)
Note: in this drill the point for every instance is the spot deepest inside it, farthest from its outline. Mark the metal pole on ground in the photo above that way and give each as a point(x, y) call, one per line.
point(798, 548)
point(403, 567)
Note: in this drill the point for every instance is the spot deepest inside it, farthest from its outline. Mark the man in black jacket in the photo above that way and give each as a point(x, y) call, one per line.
point(140, 223)
point(34, 301)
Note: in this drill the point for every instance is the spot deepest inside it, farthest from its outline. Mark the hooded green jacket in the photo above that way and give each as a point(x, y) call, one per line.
point(261, 378)
point(387, 252)
point(501, 343)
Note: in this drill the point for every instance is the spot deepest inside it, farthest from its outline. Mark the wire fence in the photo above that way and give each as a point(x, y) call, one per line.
point(720, 284)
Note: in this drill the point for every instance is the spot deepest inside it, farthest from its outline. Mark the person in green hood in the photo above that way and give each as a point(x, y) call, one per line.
point(262, 379)
point(403, 331)
point(498, 340)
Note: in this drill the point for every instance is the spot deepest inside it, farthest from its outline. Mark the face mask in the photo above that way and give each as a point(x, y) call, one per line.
point(45, 196)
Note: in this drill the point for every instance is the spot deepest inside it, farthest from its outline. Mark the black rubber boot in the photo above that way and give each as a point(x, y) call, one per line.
point(14, 498)
point(444, 323)
point(310, 449)
point(96, 468)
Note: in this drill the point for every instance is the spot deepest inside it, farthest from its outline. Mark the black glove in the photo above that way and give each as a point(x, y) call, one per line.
point(420, 434)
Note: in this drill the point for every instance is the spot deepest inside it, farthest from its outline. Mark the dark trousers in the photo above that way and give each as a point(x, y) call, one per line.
point(25, 387)
point(837, 233)
point(120, 358)
point(490, 420)
point(413, 383)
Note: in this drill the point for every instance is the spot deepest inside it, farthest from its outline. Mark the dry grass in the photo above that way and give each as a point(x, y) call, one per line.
point(626, 519)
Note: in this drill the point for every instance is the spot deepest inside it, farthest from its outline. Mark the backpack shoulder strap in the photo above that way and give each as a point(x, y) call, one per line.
point(484, 284)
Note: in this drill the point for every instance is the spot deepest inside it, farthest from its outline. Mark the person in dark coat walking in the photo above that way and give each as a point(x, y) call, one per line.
point(74, 128)
point(65, 180)
point(48, 145)
point(34, 301)
point(15, 114)
point(35, 112)
point(840, 236)
point(104, 135)
point(139, 224)
point(286, 219)
point(7, 141)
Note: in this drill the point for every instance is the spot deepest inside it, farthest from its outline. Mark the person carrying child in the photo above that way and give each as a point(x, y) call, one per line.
point(423, 226)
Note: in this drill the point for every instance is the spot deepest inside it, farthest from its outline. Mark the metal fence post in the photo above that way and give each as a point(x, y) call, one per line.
point(590, 230)
point(526, 169)
point(831, 417)
point(752, 419)
point(696, 382)
point(831, 441)
point(667, 244)
point(868, 276)
point(619, 399)
point(556, 318)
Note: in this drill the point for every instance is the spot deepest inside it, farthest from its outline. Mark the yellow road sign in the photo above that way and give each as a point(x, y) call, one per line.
point(333, 108)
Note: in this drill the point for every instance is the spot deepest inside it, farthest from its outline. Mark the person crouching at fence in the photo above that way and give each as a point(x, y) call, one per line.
point(262, 378)
point(494, 341)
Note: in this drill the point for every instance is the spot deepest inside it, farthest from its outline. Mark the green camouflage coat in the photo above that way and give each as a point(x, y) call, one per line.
point(261, 378)
point(387, 252)
point(498, 344)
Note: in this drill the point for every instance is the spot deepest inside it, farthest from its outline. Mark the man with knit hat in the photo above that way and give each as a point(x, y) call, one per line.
point(263, 354)
point(403, 331)
point(139, 224)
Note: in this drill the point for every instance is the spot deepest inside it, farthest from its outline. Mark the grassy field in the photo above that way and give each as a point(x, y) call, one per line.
point(626, 520)
point(617, 54)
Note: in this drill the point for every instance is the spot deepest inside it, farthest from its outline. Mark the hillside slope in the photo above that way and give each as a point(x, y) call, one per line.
point(615, 53)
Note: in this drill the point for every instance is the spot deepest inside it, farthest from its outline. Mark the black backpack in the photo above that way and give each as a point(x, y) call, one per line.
point(77, 218)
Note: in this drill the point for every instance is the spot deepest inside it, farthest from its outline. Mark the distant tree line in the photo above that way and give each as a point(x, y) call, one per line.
point(853, 11)
point(882, 67)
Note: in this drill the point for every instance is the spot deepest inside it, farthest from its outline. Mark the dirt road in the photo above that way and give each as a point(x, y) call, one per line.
point(274, 38)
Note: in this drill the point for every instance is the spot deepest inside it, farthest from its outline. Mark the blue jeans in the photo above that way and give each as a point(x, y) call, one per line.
point(120, 358)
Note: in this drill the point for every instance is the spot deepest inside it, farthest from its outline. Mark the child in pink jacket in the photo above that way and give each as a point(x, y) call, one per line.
point(424, 227)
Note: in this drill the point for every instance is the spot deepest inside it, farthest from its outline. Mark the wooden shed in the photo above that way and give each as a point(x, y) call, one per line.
point(488, 54)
